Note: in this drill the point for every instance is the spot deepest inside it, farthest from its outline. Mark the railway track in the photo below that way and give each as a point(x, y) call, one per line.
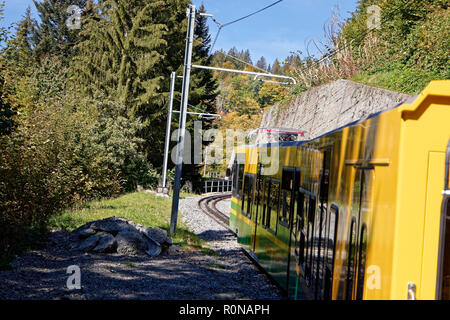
point(208, 206)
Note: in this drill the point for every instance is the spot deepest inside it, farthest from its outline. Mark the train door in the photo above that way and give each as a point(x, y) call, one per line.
point(321, 225)
point(295, 238)
point(245, 227)
point(443, 272)
point(289, 188)
point(357, 236)
point(256, 207)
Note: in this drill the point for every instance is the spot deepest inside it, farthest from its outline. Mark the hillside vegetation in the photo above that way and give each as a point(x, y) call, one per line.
point(83, 110)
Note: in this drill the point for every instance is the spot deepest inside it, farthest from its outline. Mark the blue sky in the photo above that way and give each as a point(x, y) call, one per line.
point(273, 33)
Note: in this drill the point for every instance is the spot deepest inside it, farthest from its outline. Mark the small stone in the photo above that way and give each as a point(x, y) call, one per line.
point(89, 243)
point(131, 242)
point(106, 244)
point(156, 234)
point(86, 233)
point(153, 249)
point(173, 249)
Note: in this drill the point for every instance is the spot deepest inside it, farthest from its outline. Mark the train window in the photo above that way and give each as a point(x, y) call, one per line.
point(287, 184)
point(274, 205)
point(286, 208)
point(258, 196)
point(351, 260)
point(311, 209)
point(247, 195)
point(266, 207)
point(234, 178)
point(257, 193)
point(244, 198)
point(251, 187)
point(300, 234)
point(287, 181)
point(240, 177)
point(361, 262)
point(294, 201)
point(330, 251)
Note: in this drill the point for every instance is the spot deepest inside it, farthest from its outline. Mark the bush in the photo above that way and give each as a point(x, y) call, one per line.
point(61, 153)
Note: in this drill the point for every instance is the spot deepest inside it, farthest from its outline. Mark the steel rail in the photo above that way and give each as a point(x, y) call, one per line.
point(208, 206)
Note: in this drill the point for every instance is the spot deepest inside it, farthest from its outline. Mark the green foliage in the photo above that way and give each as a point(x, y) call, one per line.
point(428, 46)
point(65, 148)
point(113, 141)
point(120, 51)
point(398, 77)
point(412, 47)
point(52, 37)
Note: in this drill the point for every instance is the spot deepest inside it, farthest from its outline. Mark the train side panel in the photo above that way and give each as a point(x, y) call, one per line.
point(426, 132)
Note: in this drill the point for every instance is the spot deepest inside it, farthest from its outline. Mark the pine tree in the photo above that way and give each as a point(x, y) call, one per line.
point(262, 64)
point(52, 36)
point(25, 32)
point(128, 51)
point(276, 68)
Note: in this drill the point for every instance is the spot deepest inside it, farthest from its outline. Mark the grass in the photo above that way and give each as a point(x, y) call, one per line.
point(398, 78)
point(140, 207)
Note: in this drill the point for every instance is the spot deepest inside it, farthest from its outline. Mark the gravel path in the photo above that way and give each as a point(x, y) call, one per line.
point(41, 274)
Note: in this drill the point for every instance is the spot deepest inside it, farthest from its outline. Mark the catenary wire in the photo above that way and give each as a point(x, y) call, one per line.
point(240, 19)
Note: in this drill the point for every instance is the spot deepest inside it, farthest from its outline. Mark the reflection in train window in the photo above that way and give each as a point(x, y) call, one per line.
point(274, 204)
point(247, 195)
point(287, 185)
point(311, 209)
point(351, 260)
point(300, 234)
point(258, 195)
point(240, 178)
point(331, 233)
point(361, 262)
point(245, 191)
point(266, 205)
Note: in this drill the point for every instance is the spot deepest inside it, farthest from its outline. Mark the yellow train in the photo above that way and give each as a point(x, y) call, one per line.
point(358, 213)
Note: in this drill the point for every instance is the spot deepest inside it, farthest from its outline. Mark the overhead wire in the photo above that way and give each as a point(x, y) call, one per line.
point(251, 14)
point(221, 26)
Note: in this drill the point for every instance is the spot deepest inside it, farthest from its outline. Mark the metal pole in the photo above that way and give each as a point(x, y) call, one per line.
point(173, 76)
point(206, 159)
point(184, 101)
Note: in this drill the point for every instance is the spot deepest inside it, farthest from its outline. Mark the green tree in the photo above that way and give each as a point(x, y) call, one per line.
point(52, 36)
point(276, 67)
point(262, 63)
point(128, 52)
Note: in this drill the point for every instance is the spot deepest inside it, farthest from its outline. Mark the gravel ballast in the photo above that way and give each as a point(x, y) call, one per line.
point(42, 274)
